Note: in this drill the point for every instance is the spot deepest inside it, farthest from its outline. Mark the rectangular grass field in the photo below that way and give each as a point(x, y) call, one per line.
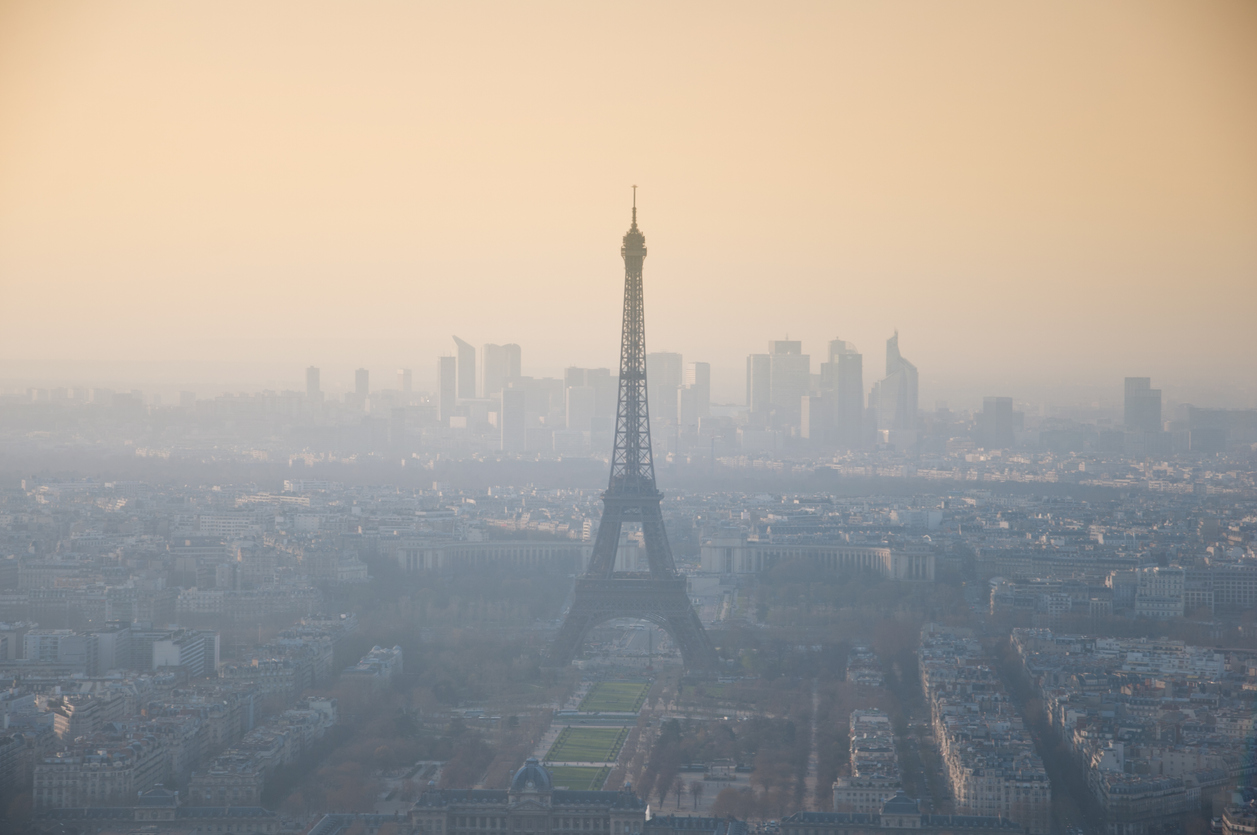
point(579, 778)
point(615, 696)
point(587, 745)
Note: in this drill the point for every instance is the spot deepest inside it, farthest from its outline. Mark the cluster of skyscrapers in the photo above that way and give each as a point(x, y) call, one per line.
point(782, 393)
point(482, 398)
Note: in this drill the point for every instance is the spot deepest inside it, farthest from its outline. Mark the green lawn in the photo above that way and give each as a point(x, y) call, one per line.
point(615, 696)
point(579, 778)
point(587, 745)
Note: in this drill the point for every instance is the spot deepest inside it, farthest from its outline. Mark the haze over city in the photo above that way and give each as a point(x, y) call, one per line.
point(1039, 197)
point(823, 418)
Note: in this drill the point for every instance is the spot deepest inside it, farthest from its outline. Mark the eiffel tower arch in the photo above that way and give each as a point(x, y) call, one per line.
point(602, 593)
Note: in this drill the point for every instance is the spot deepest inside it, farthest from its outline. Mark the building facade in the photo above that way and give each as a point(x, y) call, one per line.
point(416, 555)
point(898, 814)
point(532, 806)
point(739, 556)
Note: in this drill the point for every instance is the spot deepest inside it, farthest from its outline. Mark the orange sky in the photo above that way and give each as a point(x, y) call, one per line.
point(1033, 193)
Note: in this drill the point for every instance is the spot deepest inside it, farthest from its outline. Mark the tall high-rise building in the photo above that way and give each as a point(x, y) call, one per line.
point(790, 380)
point(1142, 408)
point(663, 381)
point(513, 420)
point(498, 363)
point(404, 381)
point(758, 388)
point(998, 423)
point(580, 408)
point(698, 377)
point(606, 389)
point(842, 381)
point(895, 396)
point(466, 370)
point(815, 417)
point(313, 392)
point(362, 384)
point(604, 386)
point(446, 387)
point(694, 398)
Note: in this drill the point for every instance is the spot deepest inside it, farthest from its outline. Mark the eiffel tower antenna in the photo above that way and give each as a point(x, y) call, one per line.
point(659, 595)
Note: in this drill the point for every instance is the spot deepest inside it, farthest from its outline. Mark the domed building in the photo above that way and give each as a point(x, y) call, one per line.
point(532, 806)
point(531, 778)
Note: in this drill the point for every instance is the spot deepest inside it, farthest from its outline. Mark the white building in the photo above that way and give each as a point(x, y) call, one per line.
point(198, 652)
point(1159, 593)
point(739, 556)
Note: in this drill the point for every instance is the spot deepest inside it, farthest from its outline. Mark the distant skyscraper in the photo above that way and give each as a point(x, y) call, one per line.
point(362, 384)
point(580, 408)
point(698, 377)
point(758, 387)
point(815, 416)
point(466, 389)
point(404, 384)
point(513, 420)
point(312, 383)
point(998, 423)
point(842, 380)
point(688, 406)
point(1142, 410)
point(895, 397)
point(498, 363)
point(607, 389)
point(446, 387)
point(605, 392)
point(663, 382)
point(790, 379)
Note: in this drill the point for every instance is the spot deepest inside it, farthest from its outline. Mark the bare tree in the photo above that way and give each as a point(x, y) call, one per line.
point(696, 791)
point(678, 786)
point(661, 789)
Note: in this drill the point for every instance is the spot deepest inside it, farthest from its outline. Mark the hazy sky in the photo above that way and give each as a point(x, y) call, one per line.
point(1032, 193)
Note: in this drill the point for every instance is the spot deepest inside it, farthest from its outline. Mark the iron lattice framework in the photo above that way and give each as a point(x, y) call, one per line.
point(602, 594)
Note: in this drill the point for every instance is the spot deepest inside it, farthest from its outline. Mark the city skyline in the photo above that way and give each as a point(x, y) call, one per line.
point(919, 498)
point(727, 386)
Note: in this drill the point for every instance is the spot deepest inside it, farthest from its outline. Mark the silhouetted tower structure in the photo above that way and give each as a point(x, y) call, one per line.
point(659, 595)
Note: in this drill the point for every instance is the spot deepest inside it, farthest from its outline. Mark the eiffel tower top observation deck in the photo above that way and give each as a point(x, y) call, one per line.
point(632, 463)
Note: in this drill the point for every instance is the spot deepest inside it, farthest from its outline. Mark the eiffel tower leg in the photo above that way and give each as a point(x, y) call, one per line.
point(606, 543)
point(697, 652)
point(569, 639)
point(655, 538)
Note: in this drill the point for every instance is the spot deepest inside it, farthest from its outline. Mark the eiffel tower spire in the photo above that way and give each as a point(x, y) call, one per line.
point(632, 497)
point(632, 463)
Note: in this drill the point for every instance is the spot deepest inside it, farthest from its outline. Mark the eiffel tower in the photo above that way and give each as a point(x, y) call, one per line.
point(602, 593)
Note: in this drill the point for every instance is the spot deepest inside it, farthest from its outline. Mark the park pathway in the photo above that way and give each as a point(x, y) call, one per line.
point(813, 757)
